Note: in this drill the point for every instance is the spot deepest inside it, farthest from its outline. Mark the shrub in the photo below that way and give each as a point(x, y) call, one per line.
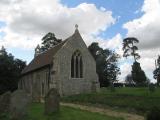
point(154, 114)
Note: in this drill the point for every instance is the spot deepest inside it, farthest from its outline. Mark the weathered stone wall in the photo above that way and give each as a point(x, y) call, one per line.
point(68, 85)
point(32, 83)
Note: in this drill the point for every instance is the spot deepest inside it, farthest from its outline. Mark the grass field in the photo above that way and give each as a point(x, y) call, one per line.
point(139, 100)
point(36, 112)
point(66, 113)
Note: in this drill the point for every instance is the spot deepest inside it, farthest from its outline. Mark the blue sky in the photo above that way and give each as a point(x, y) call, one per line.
point(125, 9)
point(24, 23)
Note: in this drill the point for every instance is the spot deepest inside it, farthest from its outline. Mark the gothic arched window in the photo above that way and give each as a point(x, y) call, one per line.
point(77, 65)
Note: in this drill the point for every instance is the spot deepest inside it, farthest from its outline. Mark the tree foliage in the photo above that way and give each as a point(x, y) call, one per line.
point(10, 69)
point(48, 41)
point(138, 74)
point(129, 47)
point(156, 72)
point(106, 64)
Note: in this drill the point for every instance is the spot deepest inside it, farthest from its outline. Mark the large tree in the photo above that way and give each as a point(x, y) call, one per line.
point(106, 64)
point(156, 72)
point(10, 70)
point(49, 41)
point(130, 49)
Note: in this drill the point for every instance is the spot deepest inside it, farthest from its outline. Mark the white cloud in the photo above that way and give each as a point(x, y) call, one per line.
point(147, 61)
point(27, 21)
point(147, 30)
point(125, 70)
point(112, 43)
point(147, 27)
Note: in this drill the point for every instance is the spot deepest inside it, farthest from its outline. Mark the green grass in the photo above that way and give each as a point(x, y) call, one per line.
point(139, 100)
point(36, 112)
point(143, 92)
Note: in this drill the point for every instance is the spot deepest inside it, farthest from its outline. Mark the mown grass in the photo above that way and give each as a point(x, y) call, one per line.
point(139, 100)
point(36, 112)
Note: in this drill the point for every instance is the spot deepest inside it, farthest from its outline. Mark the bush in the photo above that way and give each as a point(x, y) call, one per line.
point(154, 114)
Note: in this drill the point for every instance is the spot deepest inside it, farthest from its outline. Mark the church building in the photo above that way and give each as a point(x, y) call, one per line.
point(69, 67)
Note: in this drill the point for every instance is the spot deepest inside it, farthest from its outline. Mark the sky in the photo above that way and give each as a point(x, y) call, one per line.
point(24, 22)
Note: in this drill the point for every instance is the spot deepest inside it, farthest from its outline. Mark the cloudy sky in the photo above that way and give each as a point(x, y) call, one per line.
point(24, 22)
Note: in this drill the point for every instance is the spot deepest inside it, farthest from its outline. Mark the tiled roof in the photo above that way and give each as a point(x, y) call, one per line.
point(42, 59)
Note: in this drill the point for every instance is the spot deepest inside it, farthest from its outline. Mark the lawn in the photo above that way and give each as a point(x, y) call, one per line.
point(66, 113)
point(36, 112)
point(139, 100)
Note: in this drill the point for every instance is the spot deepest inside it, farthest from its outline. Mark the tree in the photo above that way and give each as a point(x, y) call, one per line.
point(138, 74)
point(10, 70)
point(106, 64)
point(3, 51)
point(156, 72)
point(48, 41)
point(129, 48)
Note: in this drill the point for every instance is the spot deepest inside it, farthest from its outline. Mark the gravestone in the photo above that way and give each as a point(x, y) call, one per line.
point(52, 100)
point(5, 102)
point(19, 105)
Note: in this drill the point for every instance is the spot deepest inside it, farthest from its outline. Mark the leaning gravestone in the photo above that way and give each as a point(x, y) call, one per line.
point(5, 102)
point(19, 105)
point(52, 100)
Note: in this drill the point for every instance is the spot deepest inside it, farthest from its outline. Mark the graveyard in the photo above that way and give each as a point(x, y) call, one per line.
point(66, 113)
point(18, 106)
point(79, 59)
point(120, 103)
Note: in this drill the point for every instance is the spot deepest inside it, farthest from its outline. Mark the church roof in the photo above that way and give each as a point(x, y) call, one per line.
point(46, 58)
point(42, 59)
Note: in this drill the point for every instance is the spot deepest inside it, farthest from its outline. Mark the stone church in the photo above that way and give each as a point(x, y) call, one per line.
point(69, 67)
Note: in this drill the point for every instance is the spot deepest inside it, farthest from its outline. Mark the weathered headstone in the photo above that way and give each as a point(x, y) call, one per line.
point(19, 105)
point(5, 102)
point(52, 100)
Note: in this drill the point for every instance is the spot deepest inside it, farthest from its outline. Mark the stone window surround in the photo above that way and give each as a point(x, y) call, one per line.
point(77, 65)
